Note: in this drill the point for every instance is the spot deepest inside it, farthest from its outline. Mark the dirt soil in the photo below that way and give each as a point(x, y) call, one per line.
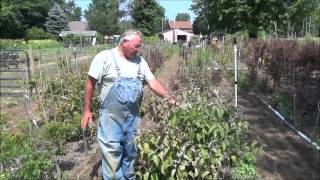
point(285, 155)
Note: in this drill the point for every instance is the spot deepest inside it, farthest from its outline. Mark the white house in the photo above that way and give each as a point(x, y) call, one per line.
point(176, 35)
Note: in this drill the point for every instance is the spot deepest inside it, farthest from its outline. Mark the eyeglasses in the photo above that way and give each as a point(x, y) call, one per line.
point(137, 46)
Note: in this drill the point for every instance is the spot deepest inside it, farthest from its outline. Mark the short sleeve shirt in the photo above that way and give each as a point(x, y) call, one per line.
point(103, 69)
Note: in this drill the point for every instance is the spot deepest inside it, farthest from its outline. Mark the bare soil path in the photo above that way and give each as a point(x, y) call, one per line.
point(284, 155)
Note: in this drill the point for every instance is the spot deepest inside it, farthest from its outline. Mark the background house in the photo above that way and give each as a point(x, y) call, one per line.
point(81, 29)
point(178, 32)
point(183, 25)
point(176, 36)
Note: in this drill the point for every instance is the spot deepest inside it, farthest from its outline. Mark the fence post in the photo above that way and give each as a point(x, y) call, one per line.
point(235, 73)
point(31, 60)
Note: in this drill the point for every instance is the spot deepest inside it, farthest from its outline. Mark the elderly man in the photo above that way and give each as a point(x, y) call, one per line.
point(120, 73)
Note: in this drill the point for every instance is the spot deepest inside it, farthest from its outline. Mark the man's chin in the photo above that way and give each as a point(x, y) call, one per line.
point(132, 57)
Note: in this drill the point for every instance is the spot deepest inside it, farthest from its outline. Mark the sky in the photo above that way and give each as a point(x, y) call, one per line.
point(172, 7)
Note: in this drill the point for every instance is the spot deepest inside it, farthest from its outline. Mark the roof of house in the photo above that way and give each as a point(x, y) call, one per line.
point(78, 26)
point(180, 24)
point(78, 33)
point(177, 31)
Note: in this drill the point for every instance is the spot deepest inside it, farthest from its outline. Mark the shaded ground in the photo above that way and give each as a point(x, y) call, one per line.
point(284, 155)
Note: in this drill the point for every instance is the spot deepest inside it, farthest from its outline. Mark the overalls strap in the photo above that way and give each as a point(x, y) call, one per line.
point(139, 75)
point(115, 62)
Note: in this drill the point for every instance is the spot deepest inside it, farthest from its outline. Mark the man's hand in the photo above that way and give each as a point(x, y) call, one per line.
point(172, 100)
point(86, 116)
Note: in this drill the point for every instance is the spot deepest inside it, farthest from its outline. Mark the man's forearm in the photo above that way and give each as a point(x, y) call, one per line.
point(156, 87)
point(88, 93)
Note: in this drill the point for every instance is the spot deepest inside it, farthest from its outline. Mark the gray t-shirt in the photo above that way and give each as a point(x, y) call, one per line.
point(103, 69)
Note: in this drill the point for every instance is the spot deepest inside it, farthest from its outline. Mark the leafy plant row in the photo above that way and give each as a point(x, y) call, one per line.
point(201, 139)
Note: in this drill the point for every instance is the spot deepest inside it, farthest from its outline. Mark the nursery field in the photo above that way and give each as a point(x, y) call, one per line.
point(206, 137)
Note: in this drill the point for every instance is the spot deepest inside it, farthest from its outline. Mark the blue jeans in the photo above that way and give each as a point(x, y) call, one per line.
point(118, 121)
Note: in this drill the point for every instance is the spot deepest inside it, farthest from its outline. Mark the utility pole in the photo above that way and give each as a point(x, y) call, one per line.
point(161, 24)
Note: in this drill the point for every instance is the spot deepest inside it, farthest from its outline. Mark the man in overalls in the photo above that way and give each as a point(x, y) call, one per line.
point(120, 73)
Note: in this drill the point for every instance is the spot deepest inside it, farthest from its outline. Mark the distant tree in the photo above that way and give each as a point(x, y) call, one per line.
point(56, 21)
point(182, 17)
point(103, 16)
point(304, 16)
point(233, 16)
point(17, 17)
point(147, 16)
point(124, 25)
point(200, 25)
point(254, 16)
point(73, 12)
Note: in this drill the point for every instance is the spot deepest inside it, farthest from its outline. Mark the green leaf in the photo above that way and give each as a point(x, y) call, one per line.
point(166, 141)
point(233, 159)
point(220, 113)
point(146, 175)
point(164, 167)
point(204, 174)
point(224, 146)
point(146, 148)
point(156, 160)
point(198, 136)
point(173, 172)
point(182, 167)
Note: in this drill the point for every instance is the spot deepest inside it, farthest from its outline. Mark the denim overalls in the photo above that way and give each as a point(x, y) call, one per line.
point(118, 121)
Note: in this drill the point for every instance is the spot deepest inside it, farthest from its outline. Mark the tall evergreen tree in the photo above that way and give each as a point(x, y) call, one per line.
point(103, 16)
point(147, 16)
point(57, 20)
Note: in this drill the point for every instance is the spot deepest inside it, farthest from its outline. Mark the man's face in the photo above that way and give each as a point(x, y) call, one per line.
point(132, 47)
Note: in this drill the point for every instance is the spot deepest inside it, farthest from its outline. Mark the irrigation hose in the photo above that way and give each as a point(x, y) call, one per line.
point(303, 136)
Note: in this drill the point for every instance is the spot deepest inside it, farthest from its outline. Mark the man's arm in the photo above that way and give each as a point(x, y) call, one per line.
point(156, 87)
point(88, 93)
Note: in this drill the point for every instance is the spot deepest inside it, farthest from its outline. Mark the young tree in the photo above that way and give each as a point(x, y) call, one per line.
point(182, 17)
point(56, 21)
point(147, 16)
point(103, 16)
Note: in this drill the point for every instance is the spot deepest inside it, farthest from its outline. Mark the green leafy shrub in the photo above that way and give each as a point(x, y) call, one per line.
point(19, 160)
point(58, 133)
point(37, 33)
point(196, 141)
point(35, 166)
